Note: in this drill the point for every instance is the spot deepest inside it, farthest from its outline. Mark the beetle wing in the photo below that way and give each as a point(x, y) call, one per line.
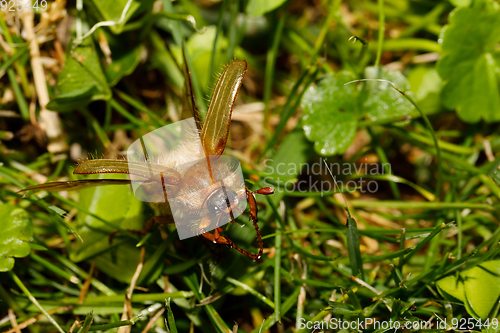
point(74, 185)
point(216, 126)
point(141, 169)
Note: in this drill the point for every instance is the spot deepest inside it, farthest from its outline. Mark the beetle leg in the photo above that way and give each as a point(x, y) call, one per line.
point(216, 235)
point(226, 241)
point(217, 238)
point(252, 205)
point(204, 224)
point(217, 230)
point(237, 211)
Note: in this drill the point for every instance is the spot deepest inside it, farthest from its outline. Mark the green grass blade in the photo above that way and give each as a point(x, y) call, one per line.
point(89, 318)
point(170, 318)
point(353, 248)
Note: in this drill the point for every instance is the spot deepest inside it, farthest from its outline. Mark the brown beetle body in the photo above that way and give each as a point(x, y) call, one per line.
point(199, 183)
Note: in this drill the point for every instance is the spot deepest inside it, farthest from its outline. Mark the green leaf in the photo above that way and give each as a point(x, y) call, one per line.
point(330, 120)
point(112, 11)
point(470, 65)
point(461, 3)
point(125, 60)
point(380, 100)
point(170, 318)
point(426, 84)
point(17, 230)
point(199, 48)
point(482, 287)
point(478, 288)
point(117, 205)
point(451, 288)
point(81, 80)
point(260, 7)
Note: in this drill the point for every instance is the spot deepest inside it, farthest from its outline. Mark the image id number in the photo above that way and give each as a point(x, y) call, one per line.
point(19, 5)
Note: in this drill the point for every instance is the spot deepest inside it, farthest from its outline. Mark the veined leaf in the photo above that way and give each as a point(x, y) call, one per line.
point(125, 57)
point(478, 288)
point(470, 65)
point(482, 287)
point(81, 80)
point(17, 230)
point(380, 100)
point(330, 120)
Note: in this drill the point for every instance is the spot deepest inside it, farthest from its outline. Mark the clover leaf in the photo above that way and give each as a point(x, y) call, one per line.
point(380, 100)
point(17, 230)
point(470, 63)
point(330, 119)
point(330, 109)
